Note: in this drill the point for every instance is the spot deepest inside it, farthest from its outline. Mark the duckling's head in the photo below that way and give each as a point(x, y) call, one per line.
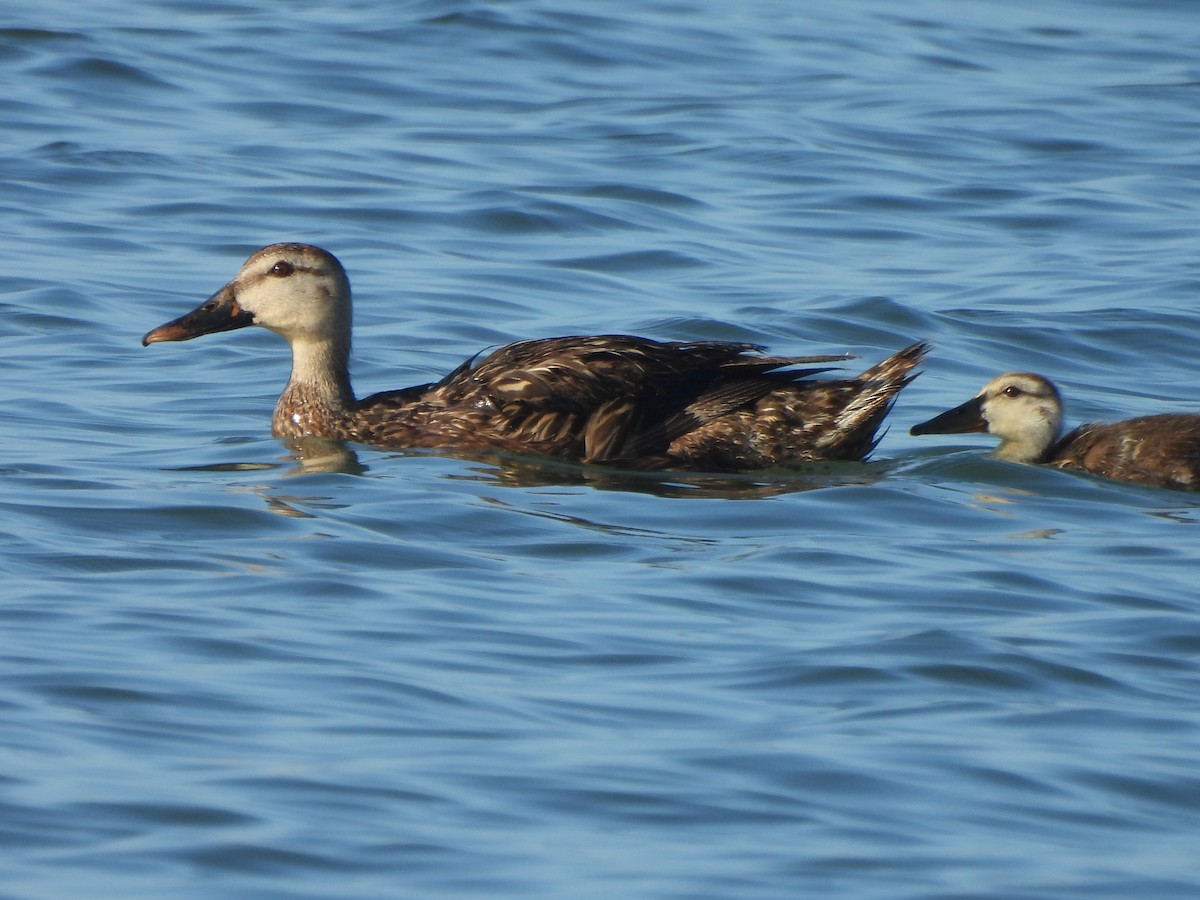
point(296, 290)
point(1022, 409)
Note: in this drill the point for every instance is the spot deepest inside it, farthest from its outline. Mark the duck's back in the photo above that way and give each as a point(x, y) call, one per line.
point(1159, 451)
point(620, 399)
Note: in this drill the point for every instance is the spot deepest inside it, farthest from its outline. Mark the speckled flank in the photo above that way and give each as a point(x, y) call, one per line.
point(614, 399)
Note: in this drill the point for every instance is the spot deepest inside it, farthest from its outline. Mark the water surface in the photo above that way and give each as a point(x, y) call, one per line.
point(231, 672)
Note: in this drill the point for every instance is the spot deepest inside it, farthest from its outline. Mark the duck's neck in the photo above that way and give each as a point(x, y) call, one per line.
point(318, 399)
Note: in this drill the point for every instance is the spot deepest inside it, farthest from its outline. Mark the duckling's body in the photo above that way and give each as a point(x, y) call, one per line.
point(1025, 411)
point(1160, 451)
point(615, 399)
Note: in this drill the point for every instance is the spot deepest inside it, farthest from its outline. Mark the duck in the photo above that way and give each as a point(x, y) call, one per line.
point(610, 399)
point(1025, 411)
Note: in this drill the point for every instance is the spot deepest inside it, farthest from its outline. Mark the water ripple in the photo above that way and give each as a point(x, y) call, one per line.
point(326, 670)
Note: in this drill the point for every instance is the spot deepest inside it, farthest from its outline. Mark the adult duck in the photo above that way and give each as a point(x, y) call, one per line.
point(613, 399)
point(1026, 411)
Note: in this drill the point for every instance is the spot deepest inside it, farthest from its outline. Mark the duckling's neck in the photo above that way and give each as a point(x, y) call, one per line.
point(318, 399)
point(1029, 448)
point(1032, 445)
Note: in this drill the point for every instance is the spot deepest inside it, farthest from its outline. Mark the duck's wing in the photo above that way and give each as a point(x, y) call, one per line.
point(1160, 451)
point(827, 419)
point(586, 371)
point(856, 408)
point(642, 431)
point(620, 397)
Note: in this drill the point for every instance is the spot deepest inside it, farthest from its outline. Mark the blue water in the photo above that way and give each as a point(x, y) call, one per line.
point(228, 672)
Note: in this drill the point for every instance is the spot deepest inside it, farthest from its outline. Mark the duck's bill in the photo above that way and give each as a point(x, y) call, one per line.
point(220, 312)
point(960, 420)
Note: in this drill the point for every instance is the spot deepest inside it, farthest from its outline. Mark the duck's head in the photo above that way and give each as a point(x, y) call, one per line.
point(296, 290)
point(1023, 410)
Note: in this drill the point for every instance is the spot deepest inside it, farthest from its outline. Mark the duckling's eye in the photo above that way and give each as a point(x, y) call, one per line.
point(282, 268)
point(1012, 391)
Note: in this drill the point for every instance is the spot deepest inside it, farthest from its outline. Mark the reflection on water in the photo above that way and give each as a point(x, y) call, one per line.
point(317, 456)
point(322, 456)
point(525, 473)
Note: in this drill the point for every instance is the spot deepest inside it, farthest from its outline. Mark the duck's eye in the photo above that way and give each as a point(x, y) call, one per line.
point(283, 269)
point(1012, 391)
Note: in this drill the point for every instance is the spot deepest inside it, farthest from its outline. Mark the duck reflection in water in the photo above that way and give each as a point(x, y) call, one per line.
point(313, 456)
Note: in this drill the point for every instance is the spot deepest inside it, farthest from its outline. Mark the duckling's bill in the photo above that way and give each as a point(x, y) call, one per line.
point(961, 420)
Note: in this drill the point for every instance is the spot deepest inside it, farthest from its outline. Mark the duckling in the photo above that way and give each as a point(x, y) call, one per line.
point(1026, 411)
point(613, 399)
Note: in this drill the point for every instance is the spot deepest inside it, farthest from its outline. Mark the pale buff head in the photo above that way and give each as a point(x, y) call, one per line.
point(1022, 409)
point(296, 290)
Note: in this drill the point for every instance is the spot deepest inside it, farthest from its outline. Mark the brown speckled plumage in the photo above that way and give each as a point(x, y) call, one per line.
point(1025, 411)
point(615, 399)
point(1158, 451)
